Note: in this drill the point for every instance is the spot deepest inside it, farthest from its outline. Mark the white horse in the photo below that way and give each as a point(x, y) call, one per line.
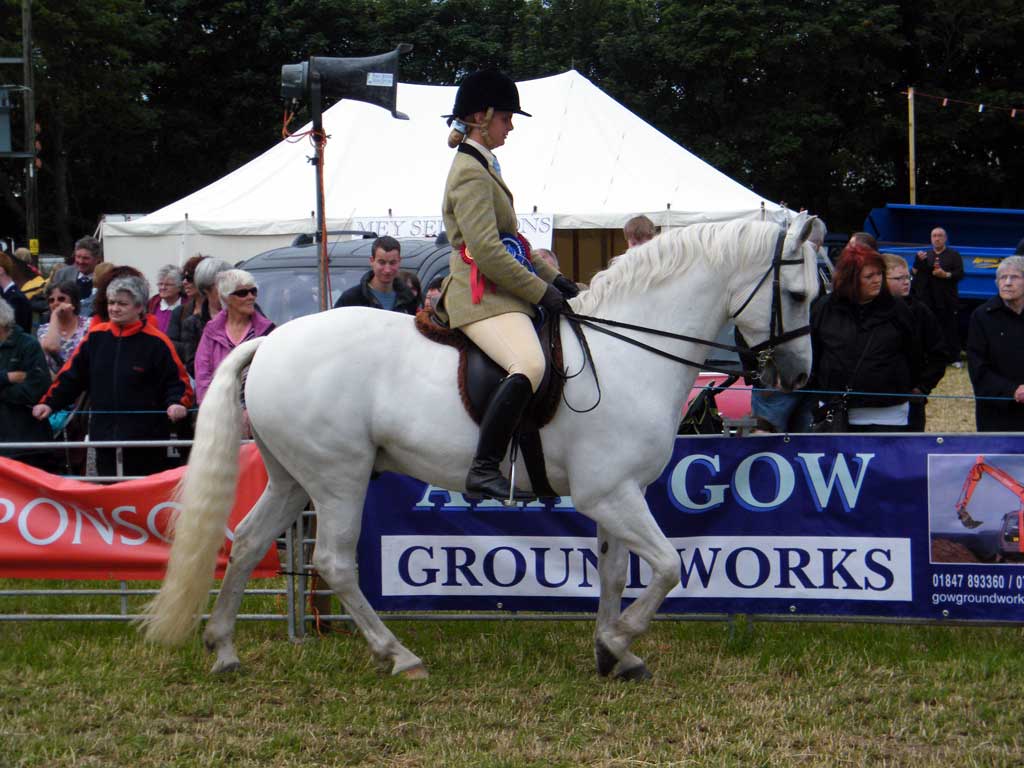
point(335, 396)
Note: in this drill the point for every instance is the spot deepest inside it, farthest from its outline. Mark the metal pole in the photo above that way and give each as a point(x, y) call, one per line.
point(912, 169)
point(318, 142)
point(31, 204)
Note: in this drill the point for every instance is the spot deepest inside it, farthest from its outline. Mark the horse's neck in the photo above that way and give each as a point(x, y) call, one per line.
point(693, 305)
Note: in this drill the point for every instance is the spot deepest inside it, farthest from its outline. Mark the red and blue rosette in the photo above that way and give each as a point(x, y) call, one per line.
point(518, 248)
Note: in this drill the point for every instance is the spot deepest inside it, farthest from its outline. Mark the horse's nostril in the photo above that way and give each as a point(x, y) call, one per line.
point(801, 380)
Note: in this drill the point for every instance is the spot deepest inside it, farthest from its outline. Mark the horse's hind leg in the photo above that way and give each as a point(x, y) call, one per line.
point(624, 516)
point(339, 519)
point(613, 561)
point(281, 503)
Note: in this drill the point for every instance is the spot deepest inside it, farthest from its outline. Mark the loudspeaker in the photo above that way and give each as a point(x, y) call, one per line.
point(373, 79)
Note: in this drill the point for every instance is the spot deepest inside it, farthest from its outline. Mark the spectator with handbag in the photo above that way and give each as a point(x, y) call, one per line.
point(867, 353)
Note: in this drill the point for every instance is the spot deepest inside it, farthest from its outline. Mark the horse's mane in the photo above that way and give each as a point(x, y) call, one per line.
point(675, 251)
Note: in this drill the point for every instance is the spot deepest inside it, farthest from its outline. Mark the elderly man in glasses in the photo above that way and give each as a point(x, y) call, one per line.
point(239, 320)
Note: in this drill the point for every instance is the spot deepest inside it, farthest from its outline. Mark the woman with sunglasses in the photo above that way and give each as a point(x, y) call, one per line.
point(238, 321)
point(189, 306)
point(66, 327)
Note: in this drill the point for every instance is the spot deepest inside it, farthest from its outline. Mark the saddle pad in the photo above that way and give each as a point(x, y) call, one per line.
point(478, 374)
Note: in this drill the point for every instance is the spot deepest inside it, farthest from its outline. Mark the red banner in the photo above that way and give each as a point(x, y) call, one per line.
point(52, 528)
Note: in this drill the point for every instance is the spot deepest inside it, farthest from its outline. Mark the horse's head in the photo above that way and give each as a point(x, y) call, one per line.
point(771, 299)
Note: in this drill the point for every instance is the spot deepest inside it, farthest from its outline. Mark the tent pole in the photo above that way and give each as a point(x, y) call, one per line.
point(911, 150)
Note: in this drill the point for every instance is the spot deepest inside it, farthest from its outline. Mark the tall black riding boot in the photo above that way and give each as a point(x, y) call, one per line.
point(500, 420)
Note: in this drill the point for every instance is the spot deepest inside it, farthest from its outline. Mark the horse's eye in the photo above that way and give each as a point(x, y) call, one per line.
point(797, 296)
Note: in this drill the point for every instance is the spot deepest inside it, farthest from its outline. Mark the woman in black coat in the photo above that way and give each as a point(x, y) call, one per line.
point(995, 352)
point(866, 342)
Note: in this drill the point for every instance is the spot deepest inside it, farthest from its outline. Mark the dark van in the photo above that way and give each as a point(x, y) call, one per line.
point(288, 277)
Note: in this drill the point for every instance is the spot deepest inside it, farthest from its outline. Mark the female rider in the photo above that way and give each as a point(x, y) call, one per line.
point(493, 286)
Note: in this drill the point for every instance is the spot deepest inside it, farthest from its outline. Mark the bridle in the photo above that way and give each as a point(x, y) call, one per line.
point(777, 334)
point(764, 351)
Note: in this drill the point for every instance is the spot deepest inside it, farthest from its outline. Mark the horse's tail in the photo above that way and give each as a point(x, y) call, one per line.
point(207, 494)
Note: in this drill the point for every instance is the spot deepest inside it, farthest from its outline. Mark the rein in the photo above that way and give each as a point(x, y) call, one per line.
point(764, 350)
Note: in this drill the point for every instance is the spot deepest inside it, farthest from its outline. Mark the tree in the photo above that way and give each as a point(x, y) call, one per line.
point(90, 81)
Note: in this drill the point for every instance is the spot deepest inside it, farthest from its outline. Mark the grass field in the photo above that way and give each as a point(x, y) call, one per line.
point(520, 693)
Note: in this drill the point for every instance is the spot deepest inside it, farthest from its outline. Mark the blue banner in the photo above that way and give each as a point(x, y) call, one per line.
point(847, 525)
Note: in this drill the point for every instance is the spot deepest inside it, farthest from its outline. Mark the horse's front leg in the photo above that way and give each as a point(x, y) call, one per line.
point(613, 562)
point(623, 514)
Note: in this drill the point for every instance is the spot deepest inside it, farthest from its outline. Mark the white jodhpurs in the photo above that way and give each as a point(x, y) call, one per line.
point(511, 342)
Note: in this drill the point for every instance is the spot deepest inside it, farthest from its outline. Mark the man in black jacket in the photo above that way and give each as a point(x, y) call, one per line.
point(936, 274)
point(995, 352)
point(381, 288)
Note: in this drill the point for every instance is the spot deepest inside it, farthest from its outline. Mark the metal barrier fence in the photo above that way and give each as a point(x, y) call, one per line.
point(123, 595)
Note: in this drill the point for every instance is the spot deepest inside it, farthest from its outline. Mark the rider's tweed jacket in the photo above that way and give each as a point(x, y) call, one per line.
point(477, 206)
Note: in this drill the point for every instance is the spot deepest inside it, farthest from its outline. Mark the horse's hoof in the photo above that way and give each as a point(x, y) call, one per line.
point(226, 667)
point(418, 672)
point(605, 659)
point(636, 674)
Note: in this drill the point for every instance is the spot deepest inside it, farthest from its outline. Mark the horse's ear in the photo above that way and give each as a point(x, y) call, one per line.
point(814, 230)
point(806, 231)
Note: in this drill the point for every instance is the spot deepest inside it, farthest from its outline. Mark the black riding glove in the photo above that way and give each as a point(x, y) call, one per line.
point(553, 301)
point(566, 286)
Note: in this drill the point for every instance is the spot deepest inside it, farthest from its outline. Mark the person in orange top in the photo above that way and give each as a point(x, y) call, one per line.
point(135, 380)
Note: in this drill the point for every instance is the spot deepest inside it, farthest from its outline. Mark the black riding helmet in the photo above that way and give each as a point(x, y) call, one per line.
point(483, 89)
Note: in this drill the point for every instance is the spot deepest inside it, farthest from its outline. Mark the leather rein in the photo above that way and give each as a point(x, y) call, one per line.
point(765, 351)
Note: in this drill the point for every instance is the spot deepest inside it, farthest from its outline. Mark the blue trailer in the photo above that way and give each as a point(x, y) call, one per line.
point(983, 236)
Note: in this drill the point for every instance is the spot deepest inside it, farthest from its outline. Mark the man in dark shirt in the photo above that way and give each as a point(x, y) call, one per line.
point(936, 274)
point(381, 287)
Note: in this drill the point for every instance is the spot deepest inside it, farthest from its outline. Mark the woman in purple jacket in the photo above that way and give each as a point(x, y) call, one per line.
point(238, 321)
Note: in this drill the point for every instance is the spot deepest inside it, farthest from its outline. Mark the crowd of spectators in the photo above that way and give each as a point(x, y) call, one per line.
point(104, 347)
point(882, 338)
point(885, 333)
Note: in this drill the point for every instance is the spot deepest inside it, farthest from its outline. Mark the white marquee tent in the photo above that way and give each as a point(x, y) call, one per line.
point(583, 159)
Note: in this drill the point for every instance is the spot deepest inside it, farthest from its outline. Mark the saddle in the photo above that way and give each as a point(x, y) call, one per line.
point(478, 376)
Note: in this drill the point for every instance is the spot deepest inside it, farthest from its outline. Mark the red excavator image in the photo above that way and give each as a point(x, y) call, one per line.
point(1010, 545)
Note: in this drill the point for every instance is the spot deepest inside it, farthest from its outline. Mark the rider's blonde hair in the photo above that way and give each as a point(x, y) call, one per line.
point(458, 136)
